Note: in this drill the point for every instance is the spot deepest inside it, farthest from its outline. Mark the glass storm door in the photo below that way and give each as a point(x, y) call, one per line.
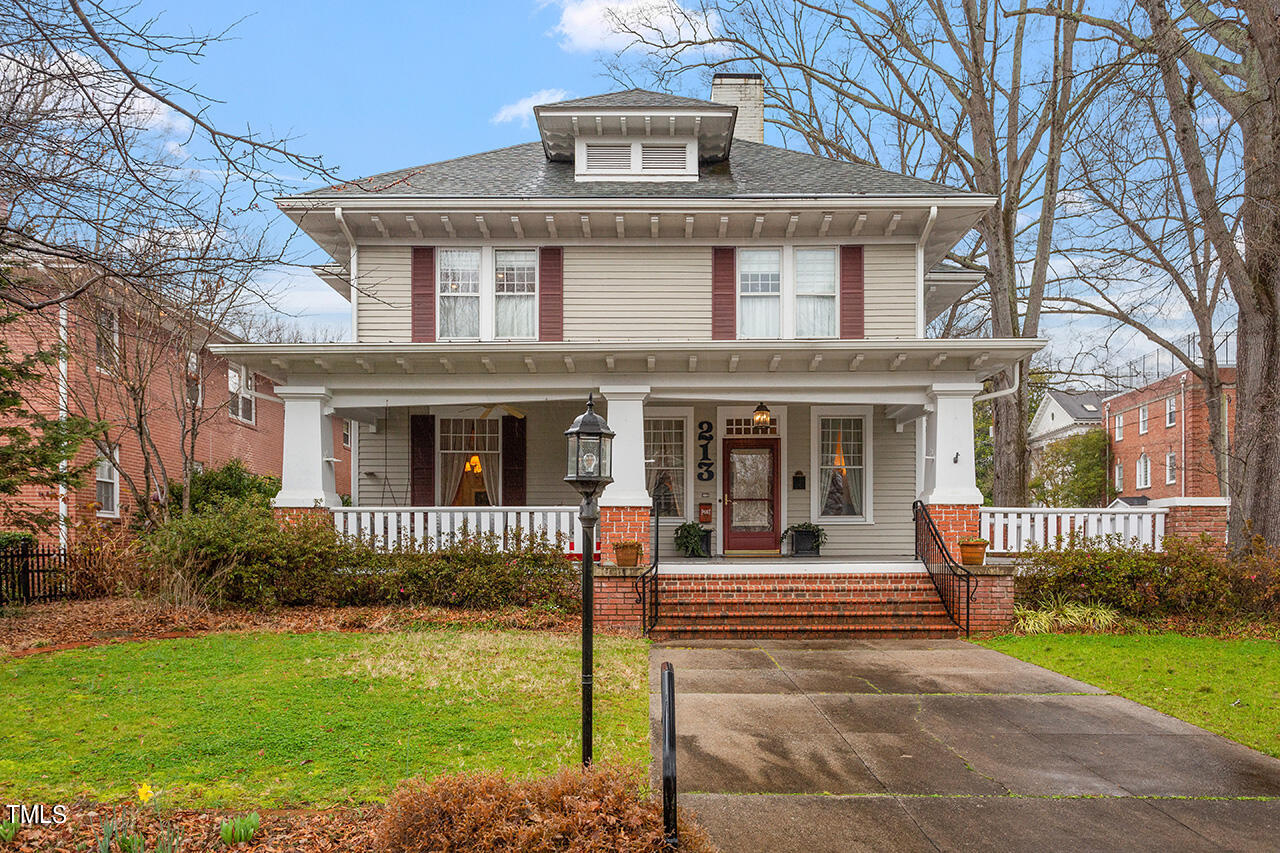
point(751, 495)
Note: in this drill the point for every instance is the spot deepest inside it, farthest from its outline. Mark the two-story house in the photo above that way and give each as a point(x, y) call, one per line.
point(752, 318)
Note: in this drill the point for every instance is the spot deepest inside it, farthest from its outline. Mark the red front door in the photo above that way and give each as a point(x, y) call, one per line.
point(751, 495)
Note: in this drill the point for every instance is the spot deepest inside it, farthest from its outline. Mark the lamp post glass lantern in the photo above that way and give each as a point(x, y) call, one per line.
point(589, 468)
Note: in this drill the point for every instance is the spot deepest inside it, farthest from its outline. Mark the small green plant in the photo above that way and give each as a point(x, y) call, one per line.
point(818, 533)
point(9, 830)
point(1058, 612)
point(689, 540)
point(106, 835)
point(132, 843)
point(237, 829)
point(169, 841)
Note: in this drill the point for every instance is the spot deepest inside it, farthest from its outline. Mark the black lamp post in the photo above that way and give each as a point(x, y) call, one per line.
point(590, 469)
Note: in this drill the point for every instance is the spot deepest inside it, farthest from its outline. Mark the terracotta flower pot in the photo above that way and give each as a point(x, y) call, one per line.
point(627, 555)
point(973, 553)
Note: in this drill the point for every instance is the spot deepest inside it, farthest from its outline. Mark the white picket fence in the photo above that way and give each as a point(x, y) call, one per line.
point(386, 526)
point(1010, 530)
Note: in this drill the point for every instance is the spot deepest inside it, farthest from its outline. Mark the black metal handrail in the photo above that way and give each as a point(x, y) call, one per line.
point(953, 581)
point(646, 584)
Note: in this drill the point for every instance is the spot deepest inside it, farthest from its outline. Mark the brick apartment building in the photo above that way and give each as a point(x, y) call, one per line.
point(239, 415)
point(1160, 439)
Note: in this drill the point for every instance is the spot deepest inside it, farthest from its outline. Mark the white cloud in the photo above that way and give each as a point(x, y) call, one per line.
point(522, 110)
point(593, 25)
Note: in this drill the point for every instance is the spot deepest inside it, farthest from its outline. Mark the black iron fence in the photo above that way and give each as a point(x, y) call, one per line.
point(953, 581)
point(31, 574)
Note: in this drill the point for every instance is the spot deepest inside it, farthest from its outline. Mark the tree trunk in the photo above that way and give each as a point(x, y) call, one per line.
point(1010, 455)
point(1254, 467)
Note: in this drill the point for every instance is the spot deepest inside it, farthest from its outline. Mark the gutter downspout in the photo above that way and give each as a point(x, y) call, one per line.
point(1004, 392)
point(1183, 415)
point(63, 409)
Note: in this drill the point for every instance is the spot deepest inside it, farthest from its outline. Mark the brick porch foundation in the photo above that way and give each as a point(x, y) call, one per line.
point(955, 522)
point(617, 607)
point(294, 514)
point(619, 524)
point(1188, 518)
point(991, 608)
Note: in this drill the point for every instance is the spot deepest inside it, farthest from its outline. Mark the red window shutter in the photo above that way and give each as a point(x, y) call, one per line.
point(422, 288)
point(422, 459)
point(724, 294)
point(551, 294)
point(514, 466)
point(852, 293)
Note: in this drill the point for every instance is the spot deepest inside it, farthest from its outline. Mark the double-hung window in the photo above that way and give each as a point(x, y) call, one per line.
point(1142, 475)
point(841, 462)
point(815, 293)
point(1142, 420)
point(459, 285)
point(759, 293)
point(1170, 468)
point(470, 460)
point(107, 479)
point(1119, 427)
point(665, 455)
point(1170, 411)
point(108, 338)
point(194, 381)
point(1119, 476)
point(346, 432)
point(515, 285)
point(240, 393)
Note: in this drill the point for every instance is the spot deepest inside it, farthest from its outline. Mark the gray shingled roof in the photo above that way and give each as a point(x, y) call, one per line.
point(637, 98)
point(752, 171)
point(1075, 403)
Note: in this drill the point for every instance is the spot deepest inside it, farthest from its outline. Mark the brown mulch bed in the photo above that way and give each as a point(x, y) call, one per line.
point(281, 830)
point(71, 624)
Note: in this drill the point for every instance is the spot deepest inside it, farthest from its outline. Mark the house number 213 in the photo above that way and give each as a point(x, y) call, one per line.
point(706, 467)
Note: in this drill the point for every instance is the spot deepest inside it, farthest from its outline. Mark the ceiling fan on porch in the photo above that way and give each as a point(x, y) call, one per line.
point(510, 410)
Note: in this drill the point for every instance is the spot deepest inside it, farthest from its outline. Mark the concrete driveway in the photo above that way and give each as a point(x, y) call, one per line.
point(821, 746)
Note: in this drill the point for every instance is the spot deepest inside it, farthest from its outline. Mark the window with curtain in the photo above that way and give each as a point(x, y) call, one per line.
point(815, 293)
point(759, 293)
point(664, 454)
point(841, 466)
point(515, 276)
point(470, 461)
point(459, 288)
point(108, 486)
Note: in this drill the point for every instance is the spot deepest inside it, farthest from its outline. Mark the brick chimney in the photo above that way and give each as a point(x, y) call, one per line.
point(746, 92)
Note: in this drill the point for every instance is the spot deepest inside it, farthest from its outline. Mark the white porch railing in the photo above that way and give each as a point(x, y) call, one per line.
point(413, 525)
point(1014, 529)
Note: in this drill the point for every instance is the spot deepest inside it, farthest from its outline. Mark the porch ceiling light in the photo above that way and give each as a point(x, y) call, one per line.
point(590, 457)
point(760, 417)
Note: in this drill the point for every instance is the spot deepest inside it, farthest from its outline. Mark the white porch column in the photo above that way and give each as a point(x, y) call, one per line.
point(307, 475)
point(949, 476)
point(625, 414)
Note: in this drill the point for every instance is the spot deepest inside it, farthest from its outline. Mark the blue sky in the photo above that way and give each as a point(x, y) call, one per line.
point(375, 86)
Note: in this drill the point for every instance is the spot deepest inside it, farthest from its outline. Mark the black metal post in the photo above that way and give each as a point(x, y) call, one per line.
point(589, 513)
point(670, 831)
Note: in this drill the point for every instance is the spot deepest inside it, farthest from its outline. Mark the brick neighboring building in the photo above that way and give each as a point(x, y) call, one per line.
point(250, 428)
point(1160, 439)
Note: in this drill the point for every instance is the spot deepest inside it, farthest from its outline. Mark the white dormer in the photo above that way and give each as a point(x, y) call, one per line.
point(622, 159)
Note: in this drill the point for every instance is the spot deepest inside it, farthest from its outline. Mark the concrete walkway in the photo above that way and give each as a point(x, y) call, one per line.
point(821, 746)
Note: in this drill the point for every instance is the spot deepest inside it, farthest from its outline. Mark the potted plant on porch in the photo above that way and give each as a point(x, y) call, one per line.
point(693, 540)
point(807, 539)
point(627, 552)
point(973, 551)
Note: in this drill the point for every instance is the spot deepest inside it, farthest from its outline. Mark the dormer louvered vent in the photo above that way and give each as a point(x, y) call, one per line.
point(635, 160)
point(663, 158)
point(608, 157)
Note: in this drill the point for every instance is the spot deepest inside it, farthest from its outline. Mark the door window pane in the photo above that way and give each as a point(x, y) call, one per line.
point(751, 489)
point(459, 287)
point(759, 293)
point(841, 466)
point(815, 293)
point(515, 292)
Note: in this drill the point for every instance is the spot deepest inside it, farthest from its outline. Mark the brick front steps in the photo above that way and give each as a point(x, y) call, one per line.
point(758, 606)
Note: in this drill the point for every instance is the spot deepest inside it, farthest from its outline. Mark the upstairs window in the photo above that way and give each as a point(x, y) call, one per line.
point(240, 392)
point(1119, 427)
point(194, 381)
point(459, 284)
point(815, 293)
point(1142, 420)
point(1142, 472)
point(515, 283)
point(1170, 468)
point(759, 293)
point(108, 338)
point(1170, 411)
point(487, 294)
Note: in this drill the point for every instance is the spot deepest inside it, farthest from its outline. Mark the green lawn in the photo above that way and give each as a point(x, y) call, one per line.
point(1231, 687)
point(308, 719)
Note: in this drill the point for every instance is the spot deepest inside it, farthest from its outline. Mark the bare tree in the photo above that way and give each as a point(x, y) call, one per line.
point(1218, 66)
point(95, 143)
point(954, 93)
point(1132, 247)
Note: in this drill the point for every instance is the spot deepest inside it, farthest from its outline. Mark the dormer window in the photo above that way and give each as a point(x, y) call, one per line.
point(635, 160)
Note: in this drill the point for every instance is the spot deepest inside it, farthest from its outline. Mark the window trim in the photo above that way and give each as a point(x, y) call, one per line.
point(1170, 411)
point(1142, 466)
point(1119, 427)
point(248, 388)
point(684, 413)
point(1144, 419)
point(114, 313)
point(1170, 468)
point(114, 463)
point(488, 294)
point(866, 414)
point(1119, 476)
point(787, 292)
point(347, 428)
point(443, 414)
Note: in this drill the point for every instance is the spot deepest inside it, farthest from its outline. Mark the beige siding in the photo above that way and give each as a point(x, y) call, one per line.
point(383, 478)
point(545, 444)
point(636, 292)
point(382, 310)
point(890, 282)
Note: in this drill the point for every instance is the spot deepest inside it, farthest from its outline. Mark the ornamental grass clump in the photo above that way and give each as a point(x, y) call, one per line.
point(599, 809)
point(1058, 613)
